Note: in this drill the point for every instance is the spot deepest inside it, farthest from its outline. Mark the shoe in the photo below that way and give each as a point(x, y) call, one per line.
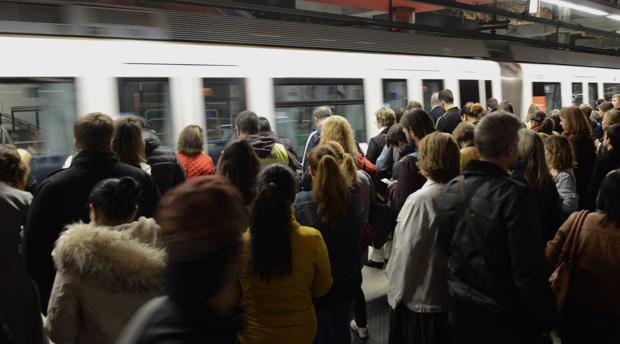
point(373, 264)
point(361, 332)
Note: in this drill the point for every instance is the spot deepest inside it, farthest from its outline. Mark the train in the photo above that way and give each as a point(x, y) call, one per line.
point(47, 81)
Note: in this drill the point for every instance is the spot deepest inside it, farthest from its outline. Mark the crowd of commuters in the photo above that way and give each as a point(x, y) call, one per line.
point(469, 211)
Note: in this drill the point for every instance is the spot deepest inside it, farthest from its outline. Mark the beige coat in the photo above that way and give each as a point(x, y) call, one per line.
point(104, 274)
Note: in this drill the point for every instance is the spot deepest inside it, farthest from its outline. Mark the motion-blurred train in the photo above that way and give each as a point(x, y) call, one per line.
point(46, 82)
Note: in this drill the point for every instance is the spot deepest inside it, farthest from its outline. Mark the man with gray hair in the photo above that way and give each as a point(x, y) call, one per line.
point(319, 114)
point(436, 108)
point(497, 269)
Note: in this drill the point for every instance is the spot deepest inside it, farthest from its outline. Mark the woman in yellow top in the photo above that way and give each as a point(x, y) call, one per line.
point(288, 266)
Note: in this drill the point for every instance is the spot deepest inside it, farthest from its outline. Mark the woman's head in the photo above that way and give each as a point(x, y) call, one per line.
point(610, 117)
point(533, 108)
point(201, 222)
point(385, 117)
point(337, 128)
point(608, 202)
point(416, 124)
point(330, 183)
point(114, 201)
point(532, 152)
point(463, 134)
point(13, 171)
point(127, 140)
point(535, 120)
point(439, 157)
point(559, 153)
point(271, 223)
point(476, 111)
point(191, 140)
point(240, 165)
point(574, 122)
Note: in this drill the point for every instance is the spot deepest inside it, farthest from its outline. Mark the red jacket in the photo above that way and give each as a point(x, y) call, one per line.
point(197, 165)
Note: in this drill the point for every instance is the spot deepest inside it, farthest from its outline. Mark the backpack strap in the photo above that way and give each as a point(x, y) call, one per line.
point(465, 197)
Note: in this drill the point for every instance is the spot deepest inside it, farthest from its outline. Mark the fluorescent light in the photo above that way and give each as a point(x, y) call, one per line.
point(576, 7)
point(614, 17)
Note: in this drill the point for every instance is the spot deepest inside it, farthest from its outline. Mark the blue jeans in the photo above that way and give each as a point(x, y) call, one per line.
point(333, 324)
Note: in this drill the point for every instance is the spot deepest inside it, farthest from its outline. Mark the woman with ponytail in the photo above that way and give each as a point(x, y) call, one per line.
point(334, 207)
point(106, 269)
point(288, 266)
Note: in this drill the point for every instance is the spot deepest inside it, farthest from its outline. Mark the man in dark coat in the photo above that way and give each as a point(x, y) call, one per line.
point(452, 117)
point(166, 169)
point(497, 269)
point(436, 109)
point(606, 163)
point(62, 198)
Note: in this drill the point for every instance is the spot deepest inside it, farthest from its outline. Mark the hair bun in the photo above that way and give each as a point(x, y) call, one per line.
point(127, 188)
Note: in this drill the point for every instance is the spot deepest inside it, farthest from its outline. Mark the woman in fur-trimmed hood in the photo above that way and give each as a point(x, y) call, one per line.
point(106, 269)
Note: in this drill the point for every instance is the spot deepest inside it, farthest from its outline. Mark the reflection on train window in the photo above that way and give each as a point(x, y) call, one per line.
point(148, 98)
point(469, 91)
point(610, 90)
point(592, 93)
point(296, 98)
point(428, 88)
point(38, 115)
point(488, 88)
point(547, 95)
point(395, 93)
point(224, 99)
point(577, 89)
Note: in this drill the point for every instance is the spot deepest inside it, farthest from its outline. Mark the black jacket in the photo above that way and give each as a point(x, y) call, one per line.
point(166, 169)
point(608, 162)
point(449, 120)
point(62, 199)
point(162, 321)
point(548, 204)
point(375, 145)
point(502, 270)
point(435, 113)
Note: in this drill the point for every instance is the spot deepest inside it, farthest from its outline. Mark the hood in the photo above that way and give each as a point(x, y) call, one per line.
point(262, 144)
point(150, 140)
point(127, 257)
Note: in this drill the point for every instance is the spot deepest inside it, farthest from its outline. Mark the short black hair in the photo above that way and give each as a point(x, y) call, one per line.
point(492, 104)
point(613, 134)
point(446, 96)
point(418, 121)
point(116, 198)
point(94, 131)
point(495, 132)
point(263, 125)
point(247, 122)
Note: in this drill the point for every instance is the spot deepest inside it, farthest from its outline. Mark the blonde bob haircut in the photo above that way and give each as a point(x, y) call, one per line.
point(191, 140)
point(337, 128)
point(385, 116)
point(439, 157)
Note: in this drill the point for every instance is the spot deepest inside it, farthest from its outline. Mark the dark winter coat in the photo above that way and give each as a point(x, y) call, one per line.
point(501, 271)
point(608, 162)
point(436, 113)
point(449, 120)
point(62, 199)
point(585, 156)
point(375, 145)
point(166, 170)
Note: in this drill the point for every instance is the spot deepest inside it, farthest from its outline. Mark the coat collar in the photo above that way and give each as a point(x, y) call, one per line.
point(90, 159)
point(483, 168)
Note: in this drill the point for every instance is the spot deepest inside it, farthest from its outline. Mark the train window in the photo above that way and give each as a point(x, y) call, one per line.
point(547, 95)
point(224, 99)
point(428, 88)
point(148, 98)
point(395, 93)
point(470, 91)
point(296, 98)
point(610, 90)
point(38, 115)
point(577, 88)
point(488, 88)
point(592, 93)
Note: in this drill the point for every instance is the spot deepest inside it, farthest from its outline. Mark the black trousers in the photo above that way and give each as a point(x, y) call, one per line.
point(409, 327)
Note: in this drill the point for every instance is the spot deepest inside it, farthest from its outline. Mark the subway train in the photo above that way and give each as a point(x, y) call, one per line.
point(47, 81)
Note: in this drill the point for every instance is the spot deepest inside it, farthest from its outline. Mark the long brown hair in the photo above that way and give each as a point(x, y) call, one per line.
point(127, 141)
point(532, 152)
point(329, 184)
point(576, 120)
point(560, 154)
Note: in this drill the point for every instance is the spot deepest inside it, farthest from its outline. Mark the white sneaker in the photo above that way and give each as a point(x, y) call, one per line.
point(361, 332)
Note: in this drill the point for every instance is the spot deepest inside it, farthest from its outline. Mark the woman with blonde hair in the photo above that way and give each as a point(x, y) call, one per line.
point(334, 207)
point(190, 147)
point(385, 118)
point(418, 293)
point(532, 170)
point(128, 144)
point(473, 113)
point(561, 160)
point(577, 130)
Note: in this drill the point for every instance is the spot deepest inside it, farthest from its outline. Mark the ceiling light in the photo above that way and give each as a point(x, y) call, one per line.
point(614, 17)
point(576, 7)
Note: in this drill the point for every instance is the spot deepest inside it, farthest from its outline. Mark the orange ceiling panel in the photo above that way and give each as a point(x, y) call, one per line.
point(382, 5)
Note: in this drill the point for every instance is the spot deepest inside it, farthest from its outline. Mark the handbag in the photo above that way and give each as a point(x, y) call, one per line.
point(560, 278)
